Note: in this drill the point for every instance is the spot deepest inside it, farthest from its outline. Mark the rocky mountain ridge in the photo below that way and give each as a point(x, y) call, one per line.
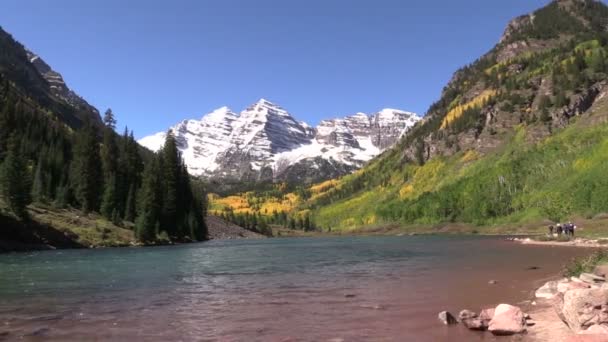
point(265, 143)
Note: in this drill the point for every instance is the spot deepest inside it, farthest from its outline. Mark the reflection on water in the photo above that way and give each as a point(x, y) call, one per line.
point(353, 288)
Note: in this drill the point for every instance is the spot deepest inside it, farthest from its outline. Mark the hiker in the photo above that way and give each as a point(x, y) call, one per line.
point(559, 229)
point(551, 230)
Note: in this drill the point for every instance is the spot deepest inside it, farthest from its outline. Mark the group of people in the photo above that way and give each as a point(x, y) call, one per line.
point(567, 229)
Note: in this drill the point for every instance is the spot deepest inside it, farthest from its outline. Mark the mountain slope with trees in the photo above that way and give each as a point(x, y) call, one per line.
point(58, 156)
point(517, 136)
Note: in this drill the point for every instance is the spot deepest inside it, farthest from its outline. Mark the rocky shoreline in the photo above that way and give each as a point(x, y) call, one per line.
point(577, 242)
point(569, 309)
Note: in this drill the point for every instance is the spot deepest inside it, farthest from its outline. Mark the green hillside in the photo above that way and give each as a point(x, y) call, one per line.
point(518, 136)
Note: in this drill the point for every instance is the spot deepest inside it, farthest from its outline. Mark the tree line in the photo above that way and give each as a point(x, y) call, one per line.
point(95, 170)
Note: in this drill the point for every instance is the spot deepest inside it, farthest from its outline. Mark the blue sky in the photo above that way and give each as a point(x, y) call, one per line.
point(158, 62)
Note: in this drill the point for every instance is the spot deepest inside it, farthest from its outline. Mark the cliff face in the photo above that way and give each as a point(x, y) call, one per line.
point(35, 79)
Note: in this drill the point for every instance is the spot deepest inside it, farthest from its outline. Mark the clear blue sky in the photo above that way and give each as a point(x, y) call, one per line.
point(158, 62)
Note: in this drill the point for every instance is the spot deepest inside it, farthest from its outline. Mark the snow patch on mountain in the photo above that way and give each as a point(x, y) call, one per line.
point(265, 141)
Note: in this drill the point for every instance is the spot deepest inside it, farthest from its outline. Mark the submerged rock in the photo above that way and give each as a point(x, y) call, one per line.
point(507, 320)
point(447, 318)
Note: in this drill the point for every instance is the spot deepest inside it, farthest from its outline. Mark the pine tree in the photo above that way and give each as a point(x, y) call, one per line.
point(38, 187)
point(170, 169)
point(108, 119)
point(86, 169)
point(15, 184)
point(108, 202)
point(130, 210)
point(149, 209)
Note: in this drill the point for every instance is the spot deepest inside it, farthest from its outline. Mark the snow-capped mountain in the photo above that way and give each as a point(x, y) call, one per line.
point(264, 142)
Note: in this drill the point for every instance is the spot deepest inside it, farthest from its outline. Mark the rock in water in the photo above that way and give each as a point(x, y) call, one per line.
point(583, 308)
point(447, 318)
point(466, 314)
point(486, 315)
point(507, 320)
point(475, 324)
point(547, 291)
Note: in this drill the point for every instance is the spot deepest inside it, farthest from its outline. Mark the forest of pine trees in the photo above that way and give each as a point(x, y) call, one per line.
point(95, 170)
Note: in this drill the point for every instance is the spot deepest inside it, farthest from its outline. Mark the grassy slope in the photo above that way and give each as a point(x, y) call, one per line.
point(60, 228)
point(561, 176)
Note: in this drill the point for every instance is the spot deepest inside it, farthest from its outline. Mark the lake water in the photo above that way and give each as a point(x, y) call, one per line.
point(304, 289)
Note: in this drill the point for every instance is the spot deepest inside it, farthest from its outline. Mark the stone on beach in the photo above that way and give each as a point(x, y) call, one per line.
point(591, 278)
point(596, 329)
point(507, 320)
point(446, 318)
point(601, 270)
point(564, 286)
point(587, 338)
point(583, 308)
point(547, 291)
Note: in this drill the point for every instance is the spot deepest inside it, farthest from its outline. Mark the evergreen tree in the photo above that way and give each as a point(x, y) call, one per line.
point(109, 120)
point(130, 212)
point(86, 169)
point(108, 201)
point(38, 187)
point(109, 158)
point(15, 182)
point(170, 170)
point(149, 203)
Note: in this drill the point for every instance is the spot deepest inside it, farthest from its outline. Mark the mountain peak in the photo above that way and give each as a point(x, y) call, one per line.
point(224, 144)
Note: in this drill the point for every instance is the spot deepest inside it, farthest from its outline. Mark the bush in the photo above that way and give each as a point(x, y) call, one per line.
point(585, 264)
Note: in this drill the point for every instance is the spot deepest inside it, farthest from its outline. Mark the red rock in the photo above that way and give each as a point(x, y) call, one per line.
point(475, 323)
point(596, 329)
point(466, 314)
point(447, 318)
point(585, 307)
point(587, 338)
point(507, 320)
point(486, 314)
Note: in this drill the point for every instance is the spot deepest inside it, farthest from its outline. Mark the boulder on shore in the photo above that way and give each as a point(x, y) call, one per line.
point(447, 318)
point(507, 320)
point(601, 270)
point(547, 291)
point(592, 278)
point(564, 286)
point(583, 308)
point(596, 329)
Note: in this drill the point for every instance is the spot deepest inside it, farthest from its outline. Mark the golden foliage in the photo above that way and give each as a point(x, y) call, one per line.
point(459, 110)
